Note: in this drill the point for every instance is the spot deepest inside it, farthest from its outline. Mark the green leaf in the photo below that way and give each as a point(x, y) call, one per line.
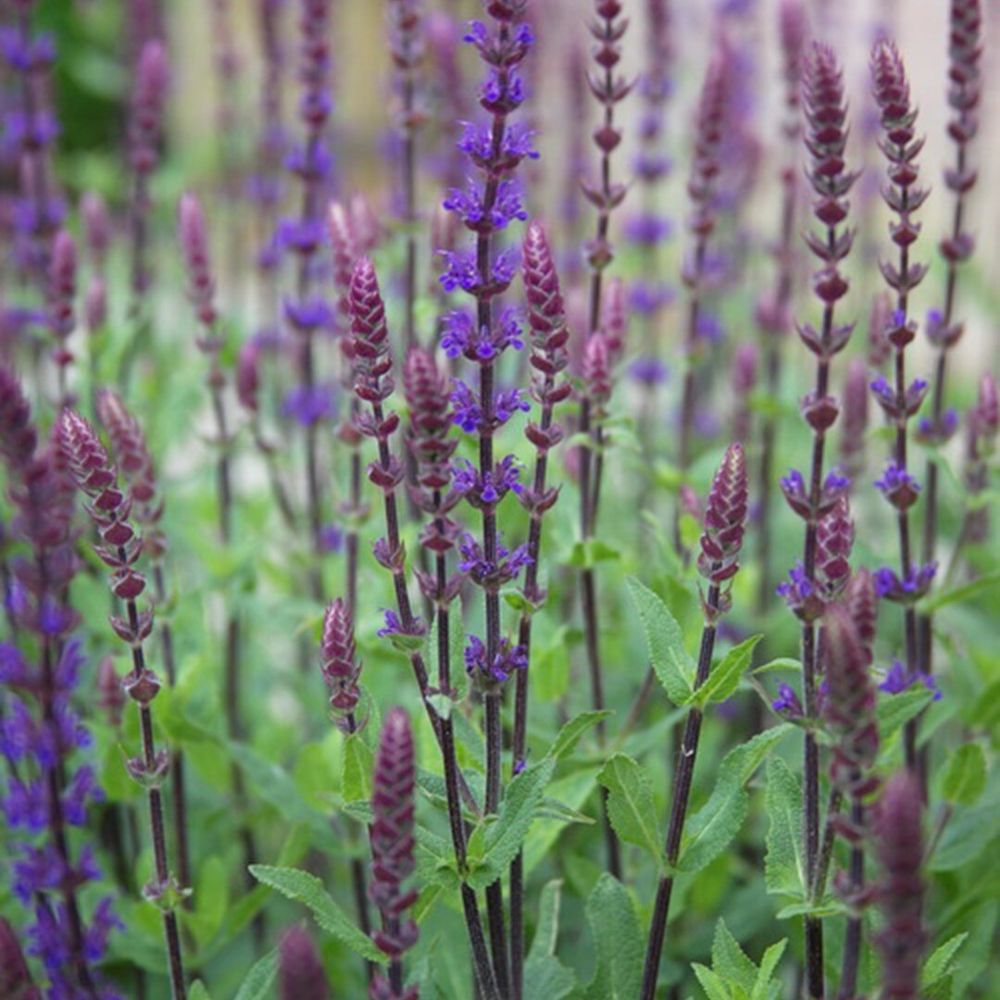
point(784, 864)
point(935, 602)
point(504, 835)
point(827, 907)
point(779, 663)
point(199, 991)
point(307, 889)
point(895, 710)
point(260, 978)
point(725, 675)
point(940, 964)
point(712, 828)
point(588, 552)
point(768, 963)
point(356, 781)
point(729, 959)
point(211, 900)
point(965, 775)
point(617, 942)
point(711, 983)
point(545, 977)
point(550, 664)
point(569, 735)
point(673, 665)
point(630, 804)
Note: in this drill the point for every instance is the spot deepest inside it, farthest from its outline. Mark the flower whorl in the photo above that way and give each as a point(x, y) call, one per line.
point(725, 515)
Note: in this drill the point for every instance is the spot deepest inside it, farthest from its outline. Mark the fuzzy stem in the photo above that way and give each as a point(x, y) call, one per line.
point(683, 778)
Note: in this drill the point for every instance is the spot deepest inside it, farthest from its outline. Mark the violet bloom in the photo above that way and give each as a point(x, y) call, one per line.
point(40, 733)
point(300, 971)
point(897, 680)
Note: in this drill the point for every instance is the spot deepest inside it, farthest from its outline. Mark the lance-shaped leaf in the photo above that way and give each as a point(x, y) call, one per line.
point(672, 663)
point(617, 942)
point(630, 805)
point(784, 865)
point(545, 977)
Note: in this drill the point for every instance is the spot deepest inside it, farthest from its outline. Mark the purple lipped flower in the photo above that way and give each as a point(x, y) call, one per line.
point(900, 488)
point(911, 588)
point(507, 659)
point(787, 703)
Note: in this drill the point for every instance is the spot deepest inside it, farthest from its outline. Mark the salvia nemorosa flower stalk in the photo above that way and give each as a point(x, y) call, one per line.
point(373, 385)
point(650, 228)
point(705, 167)
point(300, 971)
point(32, 128)
point(120, 548)
point(489, 204)
point(145, 128)
point(193, 238)
point(814, 498)
point(406, 46)
point(341, 669)
point(392, 844)
point(46, 792)
point(773, 312)
point(899, 400)
point(307, 312)
point(135, 463)
point(900, 850)
point(944, 329)
point(718, 563)
point(62, 312)
point(849, 711)
point(549, 358)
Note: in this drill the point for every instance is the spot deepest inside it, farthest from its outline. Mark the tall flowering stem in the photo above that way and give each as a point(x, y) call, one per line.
point(650, 229)
point(773, 312)
point(135, 463)
point(814, 498)
point(193, 238)
point(45, 792)
point(120, 548)
point(488, 205)
point(702, 184)
point(849, 711)
point(406, 46)
point(548, 358)
point(899, 400)
point(144, 135)
point(900, 851)
point(945, 330)
point(306, 313)
point(373, 385)
point(718, 563)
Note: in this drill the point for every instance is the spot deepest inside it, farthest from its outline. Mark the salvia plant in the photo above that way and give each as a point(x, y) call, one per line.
point(425, 576)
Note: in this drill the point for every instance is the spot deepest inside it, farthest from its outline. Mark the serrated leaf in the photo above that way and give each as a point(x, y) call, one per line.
point(939, 964)
point(550, 808)
point(768, 963)
point(545, 977)
point(895, 710)
point(569, 735)
point(784, 864)
point(617, 942)
point(718, 821)
point(308, 890)
point(711, 983)
point(672, 664)
point(965, 775)
point(501, 838)
point(356, 780)
point(260, 978)
point(729, 959)
point(725, 675)
point(630, 804)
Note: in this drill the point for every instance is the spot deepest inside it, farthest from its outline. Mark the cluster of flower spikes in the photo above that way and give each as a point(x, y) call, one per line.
point(340, 666)
point(30, 130)
point(62, 292)
point(46, 791)
point(134, 461)
point(649, 228)
point(148, 100)
point(849, 693)
point(392, 844)
point(723, 527)
point(900, 850)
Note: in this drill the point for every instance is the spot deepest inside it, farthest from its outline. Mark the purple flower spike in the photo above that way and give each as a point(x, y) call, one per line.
point(391, 835)
point(149, 97)
point(193, 238)
point(300, 971)
point(341, 667)
point(725, 517)
point(900, 851)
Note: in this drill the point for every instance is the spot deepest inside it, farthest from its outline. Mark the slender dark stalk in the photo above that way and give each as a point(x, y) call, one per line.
point(852, 937)
point(773, 311)
point(721, 541)
point(965, 50)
